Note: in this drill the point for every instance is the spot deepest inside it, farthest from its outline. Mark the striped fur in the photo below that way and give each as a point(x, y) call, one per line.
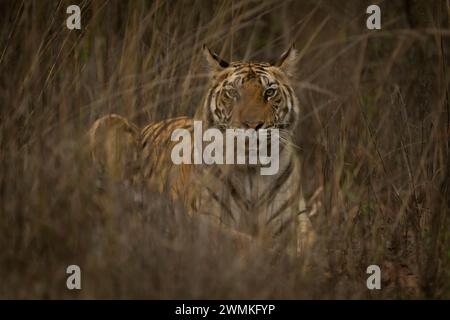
point(240, 95)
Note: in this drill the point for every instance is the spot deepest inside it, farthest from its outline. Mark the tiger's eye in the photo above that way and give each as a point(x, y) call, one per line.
point(269, 93)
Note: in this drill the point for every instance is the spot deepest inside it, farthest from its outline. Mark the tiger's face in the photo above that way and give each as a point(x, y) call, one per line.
point(252, 95)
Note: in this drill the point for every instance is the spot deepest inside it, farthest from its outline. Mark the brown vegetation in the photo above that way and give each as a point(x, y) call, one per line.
point(374, 136)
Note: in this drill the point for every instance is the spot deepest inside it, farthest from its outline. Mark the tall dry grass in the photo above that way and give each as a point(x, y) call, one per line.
point(374, 136)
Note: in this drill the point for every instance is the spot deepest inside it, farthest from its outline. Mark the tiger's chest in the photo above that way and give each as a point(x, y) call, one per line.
point(244, 200)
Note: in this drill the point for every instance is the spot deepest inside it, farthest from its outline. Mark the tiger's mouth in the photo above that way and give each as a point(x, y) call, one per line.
point(281, 131)
point(286, 127)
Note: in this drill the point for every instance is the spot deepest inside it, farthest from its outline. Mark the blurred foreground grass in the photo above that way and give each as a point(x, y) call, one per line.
point(374, 135)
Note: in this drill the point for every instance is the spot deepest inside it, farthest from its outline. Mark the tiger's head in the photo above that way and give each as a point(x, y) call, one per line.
point(251, 95)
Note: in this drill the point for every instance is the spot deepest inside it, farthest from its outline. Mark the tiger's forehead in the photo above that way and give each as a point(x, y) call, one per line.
point(239, 65)
point(239, 73)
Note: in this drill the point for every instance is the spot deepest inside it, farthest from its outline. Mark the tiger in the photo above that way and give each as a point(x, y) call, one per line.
point(235, 198)
point(114, 144)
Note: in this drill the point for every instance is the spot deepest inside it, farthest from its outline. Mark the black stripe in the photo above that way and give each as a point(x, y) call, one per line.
point(158, 131)
point(209, 97)
point(238, 73)
point(236, 194)
point(242, 203)
point(291, 95)
point(283, 207)
point(221, 203)
point(270, 193)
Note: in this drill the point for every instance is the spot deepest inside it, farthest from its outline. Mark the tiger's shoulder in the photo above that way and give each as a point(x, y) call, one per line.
point(158, 169)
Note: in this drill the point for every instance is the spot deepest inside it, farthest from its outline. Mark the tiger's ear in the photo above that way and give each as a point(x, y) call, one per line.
point(214, 61)
point(288, 61)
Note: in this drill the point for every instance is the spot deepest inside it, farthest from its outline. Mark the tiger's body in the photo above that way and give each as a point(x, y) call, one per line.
point(237, 197)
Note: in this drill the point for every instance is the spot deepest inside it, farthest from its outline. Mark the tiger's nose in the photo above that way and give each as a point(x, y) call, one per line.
point(256, 125)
